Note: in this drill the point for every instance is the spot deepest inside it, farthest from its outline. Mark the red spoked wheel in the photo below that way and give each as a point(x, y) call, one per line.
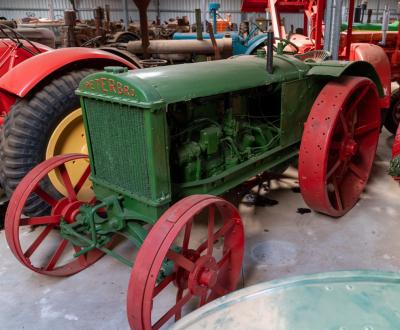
point(339, 144)
point(202, 268)
point(35, 241)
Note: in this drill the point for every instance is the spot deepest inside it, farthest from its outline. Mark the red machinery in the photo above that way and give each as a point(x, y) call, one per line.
point(353, 45)
point(40, 114)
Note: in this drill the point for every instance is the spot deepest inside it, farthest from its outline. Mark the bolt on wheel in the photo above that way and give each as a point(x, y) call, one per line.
point(339, 144)
point(36, 241)
point(174, 265)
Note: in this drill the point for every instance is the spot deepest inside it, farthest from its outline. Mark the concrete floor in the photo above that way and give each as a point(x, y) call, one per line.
point(279, 242)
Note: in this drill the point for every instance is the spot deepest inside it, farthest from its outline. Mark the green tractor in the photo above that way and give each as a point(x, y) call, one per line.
point(164, 142)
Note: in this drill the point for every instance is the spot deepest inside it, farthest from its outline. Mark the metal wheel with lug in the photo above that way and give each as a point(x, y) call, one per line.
point(200, 269)
point(339, 144)
point(35, 241)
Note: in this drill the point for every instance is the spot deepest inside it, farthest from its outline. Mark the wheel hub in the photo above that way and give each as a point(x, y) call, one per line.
point(67, 209)
point(204, 276)
point(349, 149)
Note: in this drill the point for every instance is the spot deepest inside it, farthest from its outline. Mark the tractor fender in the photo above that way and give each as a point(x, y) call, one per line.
point(377, 57)
point(254, 43)
point(337, 69)
point(23, 78)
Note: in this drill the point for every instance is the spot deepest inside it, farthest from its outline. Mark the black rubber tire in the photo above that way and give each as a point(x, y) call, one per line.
point(391, 123)
point(27, 130)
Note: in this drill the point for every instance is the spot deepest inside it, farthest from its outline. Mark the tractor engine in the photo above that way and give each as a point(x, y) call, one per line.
point(224, 131)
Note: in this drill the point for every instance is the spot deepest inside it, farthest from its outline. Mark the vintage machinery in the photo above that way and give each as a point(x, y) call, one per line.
point(40, 114)
point(164, 141)
point(355, 44)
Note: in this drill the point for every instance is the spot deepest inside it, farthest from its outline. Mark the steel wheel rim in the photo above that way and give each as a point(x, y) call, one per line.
point(339, 144)
point(14, 220)
point(142, 285)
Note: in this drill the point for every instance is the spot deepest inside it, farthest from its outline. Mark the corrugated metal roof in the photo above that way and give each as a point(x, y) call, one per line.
point(168, 8)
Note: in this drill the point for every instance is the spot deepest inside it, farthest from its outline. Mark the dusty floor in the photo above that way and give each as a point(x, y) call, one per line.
point(279, 242)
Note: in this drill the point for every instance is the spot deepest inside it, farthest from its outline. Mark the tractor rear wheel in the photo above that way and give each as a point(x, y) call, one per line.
point(392, 119)
point(339, 144)
point(46, 124)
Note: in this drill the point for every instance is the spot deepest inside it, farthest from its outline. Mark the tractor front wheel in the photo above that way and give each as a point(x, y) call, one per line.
point(193, 254)
point(47, 123)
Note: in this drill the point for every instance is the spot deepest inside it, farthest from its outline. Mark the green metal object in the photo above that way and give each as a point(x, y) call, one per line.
point(337, 300)
point(159, 134)
point(394, 169)
point(371, 26)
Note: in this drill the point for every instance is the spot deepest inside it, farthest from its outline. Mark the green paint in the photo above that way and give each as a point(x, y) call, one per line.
point(394, 168)
point(371, 26)
point(158, 134)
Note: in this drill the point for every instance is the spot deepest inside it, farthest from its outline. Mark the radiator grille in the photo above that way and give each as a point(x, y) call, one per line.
point(118, 141)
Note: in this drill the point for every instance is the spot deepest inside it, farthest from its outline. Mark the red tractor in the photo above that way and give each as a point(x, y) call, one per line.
point(40, 114)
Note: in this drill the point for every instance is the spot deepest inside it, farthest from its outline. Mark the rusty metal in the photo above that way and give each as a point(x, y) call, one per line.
point(70, 22)
point(144, 29)
point(210, 30)
point(203, 47)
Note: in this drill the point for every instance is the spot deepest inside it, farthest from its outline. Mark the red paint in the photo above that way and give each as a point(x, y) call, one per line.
point(196, 268)
point(376, 56)
point(396, 144)
point(28, 74)
point(65, 207)
point(338, 145)
point(12, 54)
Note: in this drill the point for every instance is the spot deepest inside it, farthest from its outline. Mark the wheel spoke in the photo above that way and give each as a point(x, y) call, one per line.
point(363, 129)
point(353, 121)
point(357, 100)
point(337, 193)
point(179, 295)
point(178, 306)
point(67, 182)
point(32, 248)
point(211, 222)
point(57, 254)
point(45, 220)
point(45, 196)
point(180, 260)
point(221, 232)
point(357, 171)
point(344, 123)
point(188, 230)
point(224, 259)
point(163, 284)
point(333, 168)
point(82, 180)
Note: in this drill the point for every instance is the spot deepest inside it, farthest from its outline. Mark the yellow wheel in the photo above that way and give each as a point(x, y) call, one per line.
point(46, 124)
point(69, 137)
